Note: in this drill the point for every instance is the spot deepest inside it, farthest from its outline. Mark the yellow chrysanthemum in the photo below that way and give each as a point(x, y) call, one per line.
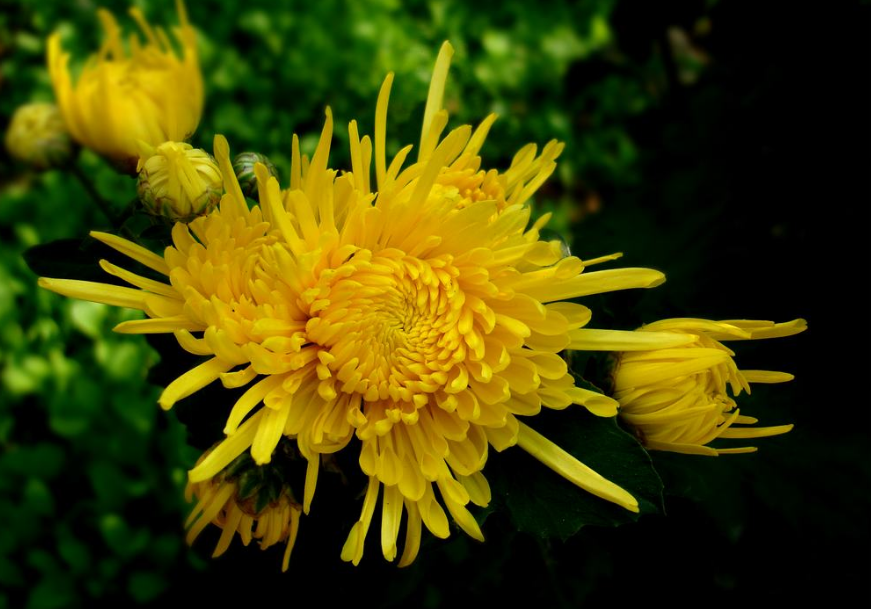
point(422, 318)
point(148, 93)
point(677, 399)
point(220, 501)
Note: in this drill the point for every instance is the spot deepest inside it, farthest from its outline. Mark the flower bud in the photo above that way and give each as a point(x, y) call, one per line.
point(680, 399)
point(178, 181)
point(146, 87)
point(253, 501)
point(243, 166)
point(38, 137)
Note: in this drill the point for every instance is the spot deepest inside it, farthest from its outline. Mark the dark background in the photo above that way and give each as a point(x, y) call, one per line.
point(724, 143)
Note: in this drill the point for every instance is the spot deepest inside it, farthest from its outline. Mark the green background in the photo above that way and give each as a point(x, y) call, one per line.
point(724, 143)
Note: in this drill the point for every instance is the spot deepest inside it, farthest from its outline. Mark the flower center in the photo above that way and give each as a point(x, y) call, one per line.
point(389, 324)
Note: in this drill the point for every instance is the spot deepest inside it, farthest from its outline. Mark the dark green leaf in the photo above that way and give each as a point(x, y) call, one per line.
point(145, 586)
point(43, 561)
point(52, 592)
point(79, 259)
point(115, 532)
point(74, 553)
point(108, 482)
point(541, 502)
point(165, 547)
point(70, 259)
point(10, 573)
point(38, 498)
point(43, 460)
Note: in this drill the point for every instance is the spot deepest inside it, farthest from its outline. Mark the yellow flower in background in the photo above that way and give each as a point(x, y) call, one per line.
point(678, 399)
point(146, 92)
point(37, 136)
point(178, 182)
point(422, 318)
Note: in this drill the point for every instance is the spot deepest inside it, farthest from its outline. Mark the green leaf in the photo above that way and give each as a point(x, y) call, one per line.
point(115, 532)
point(88, 317)
point(28, 375)
point(541, 502)
point(53, 592)
point(43, 561)
point(109, 483)
point(43, 460)
point(125, 541)
point(145, 586)
point(38, 498)
point(80, 259)
point(10, 573)
point(71, 412)
point(164, 548)
point(120, 360)
point(74, 553)
point(69, 259)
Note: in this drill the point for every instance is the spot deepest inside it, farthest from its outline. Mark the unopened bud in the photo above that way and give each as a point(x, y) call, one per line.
point(179, 182)
point(38, 137)
point(243, 166)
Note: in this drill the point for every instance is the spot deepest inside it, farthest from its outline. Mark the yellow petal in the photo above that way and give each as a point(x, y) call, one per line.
point(573, 470)
point(584, 339)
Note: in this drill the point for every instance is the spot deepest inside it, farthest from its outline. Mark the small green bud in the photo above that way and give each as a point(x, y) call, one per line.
point(243, 166)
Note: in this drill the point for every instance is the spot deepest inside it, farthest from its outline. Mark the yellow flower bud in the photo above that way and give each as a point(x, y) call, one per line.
point(37, 136)
point(680, 398)
point(247, 499)
point(179, 182)
point(146, 92)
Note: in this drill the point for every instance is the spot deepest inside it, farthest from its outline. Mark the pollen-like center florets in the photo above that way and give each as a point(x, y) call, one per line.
point(393, 326)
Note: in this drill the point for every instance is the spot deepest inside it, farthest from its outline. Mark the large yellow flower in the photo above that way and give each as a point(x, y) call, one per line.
point(677, 399)
point(146, 93)
point(422, 318)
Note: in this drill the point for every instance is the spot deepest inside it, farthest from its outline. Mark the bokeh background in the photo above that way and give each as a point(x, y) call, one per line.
point(725, 143)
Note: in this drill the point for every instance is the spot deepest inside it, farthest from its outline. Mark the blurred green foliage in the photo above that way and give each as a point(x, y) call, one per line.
point(685, 128)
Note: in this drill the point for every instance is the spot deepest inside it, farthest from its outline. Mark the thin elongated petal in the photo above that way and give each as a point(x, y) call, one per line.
point(192, 381)
point(584, 339)
point(226, 451)
point(96, 292)
point(573, 470)
point(134, 251)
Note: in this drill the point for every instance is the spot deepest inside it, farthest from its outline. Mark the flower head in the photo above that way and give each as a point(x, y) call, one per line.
point(243, 499)
point(147, 93)
point(179, 182)
point(37, 136)
point(678, 398)
point(416, 321)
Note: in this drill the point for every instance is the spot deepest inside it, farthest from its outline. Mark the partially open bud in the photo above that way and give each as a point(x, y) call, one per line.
point(254, 501)
point(146, 87)
point(682, 398)
point(38, 137)
point(178, 182)
point(243, 167)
